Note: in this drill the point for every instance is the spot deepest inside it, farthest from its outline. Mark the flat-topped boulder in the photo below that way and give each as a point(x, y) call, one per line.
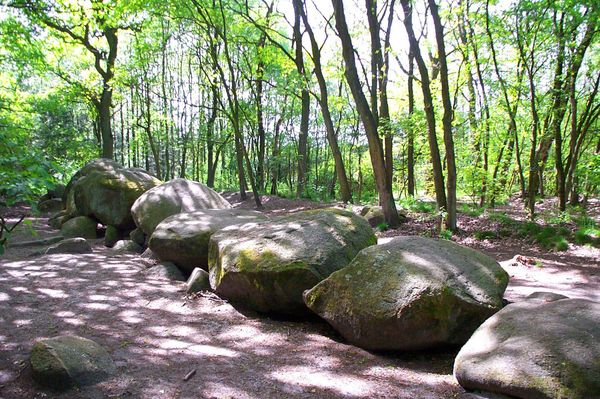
point(536, 349)
point(183, 238)
point(173, 197)
point(266, 266)
point(411, 293)
point(77, 245)
point(66, 361)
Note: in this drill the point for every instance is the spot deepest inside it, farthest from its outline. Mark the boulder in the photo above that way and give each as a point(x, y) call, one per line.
point(411, 293)
point(112, 235)
point(109, 195)
point(79, 226)
point(543, 296)
point(199, 281)
point(58, 191)
point(75, 245)
point(50, 205)
point(165, 270)
point(374, 215)
point(173, 197)
point(536, 349)
point(66, 361)
point(183, 238)
point(137, 235)
point(57, 220)
point(127, 246)
point(100, 164)
point(148, 258)
point(266, 266)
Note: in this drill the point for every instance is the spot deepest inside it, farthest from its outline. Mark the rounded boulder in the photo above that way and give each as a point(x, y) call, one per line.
point(173, 197)
point(411, 293)
point(267, 266)
point(183, 238)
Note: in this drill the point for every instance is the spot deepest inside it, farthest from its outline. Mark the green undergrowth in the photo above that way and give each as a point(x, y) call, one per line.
point(554, 234)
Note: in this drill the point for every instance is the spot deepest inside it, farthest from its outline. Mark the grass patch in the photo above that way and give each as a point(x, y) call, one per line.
point(484, 235)
point(502, 218)
point(471, 210)
point(383, 226)
point(445, 234)
point(417, 206)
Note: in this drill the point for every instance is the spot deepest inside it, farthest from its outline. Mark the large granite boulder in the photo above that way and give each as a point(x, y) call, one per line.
point(183, 238)
point(80, 226)
point(108, 195)
point(536, 349)
point(410, 293)
point(173, 197)
point(266, 266)
point(66, 361)
point(198, 281)
point(50, 205)
point(99, 165)
point(375, 217)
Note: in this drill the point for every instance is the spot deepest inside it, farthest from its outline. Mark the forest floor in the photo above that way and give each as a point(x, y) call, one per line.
point(157, 335)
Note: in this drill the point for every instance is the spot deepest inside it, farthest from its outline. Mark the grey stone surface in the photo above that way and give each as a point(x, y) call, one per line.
point(66, 361)
point(536, 349)
point(79, 226)
point(266, 266)
point(75, 245)
point(183, 238)
point(411, 293)
point(165, 270)
point(173, 197)
point(198, 281)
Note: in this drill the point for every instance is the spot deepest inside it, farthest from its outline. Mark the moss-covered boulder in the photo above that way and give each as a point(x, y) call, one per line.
point(183, 238)
point(410, 293)
point(112, 235)
point(66, 361)
point(98, 165)
point(109, 195)
point(266, 266)
point(127, 246)
point(80, 226)
point(536, 349)
point(173, 197)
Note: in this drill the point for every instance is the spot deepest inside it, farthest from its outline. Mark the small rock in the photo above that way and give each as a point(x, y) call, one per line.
point(166, 270)
point(66, 361)
point(138, 236)
point(77, 245)
point(199, 281)
point(80, 226)
point(127, 246)
point(543, 296)
point(112, 235)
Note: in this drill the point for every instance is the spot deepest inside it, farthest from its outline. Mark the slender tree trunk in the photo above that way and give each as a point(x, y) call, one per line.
point(438, 177)
point(369, 123)
point(340, 170)
point(446, 119)
point(411, 132)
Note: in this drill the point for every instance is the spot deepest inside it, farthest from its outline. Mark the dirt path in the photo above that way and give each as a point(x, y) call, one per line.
point(157, 335)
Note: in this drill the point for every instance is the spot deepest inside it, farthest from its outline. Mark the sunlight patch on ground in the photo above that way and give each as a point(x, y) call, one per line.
point(309, 377)
point(4, 296)
point(210, 350)
point(53, 293)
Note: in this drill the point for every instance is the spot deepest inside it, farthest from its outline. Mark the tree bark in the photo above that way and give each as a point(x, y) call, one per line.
point(369, 123)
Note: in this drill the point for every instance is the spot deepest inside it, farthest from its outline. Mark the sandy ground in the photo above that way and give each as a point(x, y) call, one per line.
point(157, 335)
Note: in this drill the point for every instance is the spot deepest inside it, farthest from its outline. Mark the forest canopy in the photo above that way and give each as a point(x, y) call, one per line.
point(358, 101)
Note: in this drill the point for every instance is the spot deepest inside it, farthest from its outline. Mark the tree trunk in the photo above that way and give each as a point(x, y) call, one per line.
point(369, 123)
